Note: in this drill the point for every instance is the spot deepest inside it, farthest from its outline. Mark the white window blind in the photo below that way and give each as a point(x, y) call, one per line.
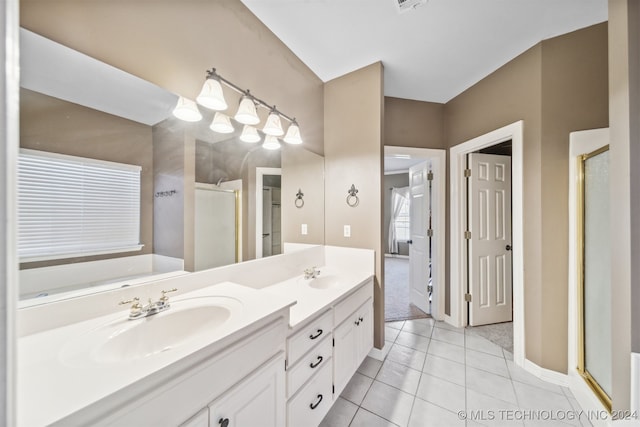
point(70, 206)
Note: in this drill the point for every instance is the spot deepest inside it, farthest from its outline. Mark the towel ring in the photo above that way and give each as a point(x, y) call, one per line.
point(299, 202)
point(352, 198)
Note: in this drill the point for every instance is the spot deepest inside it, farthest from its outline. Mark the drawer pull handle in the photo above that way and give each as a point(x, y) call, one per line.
point(313, 365)
point(361, 319)
point(312, 406)
point(313, 337)
point(357, 322)
point(224, 422)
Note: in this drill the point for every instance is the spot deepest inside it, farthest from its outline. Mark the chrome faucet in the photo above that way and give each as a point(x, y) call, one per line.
point(138, 311)
point(311, 273)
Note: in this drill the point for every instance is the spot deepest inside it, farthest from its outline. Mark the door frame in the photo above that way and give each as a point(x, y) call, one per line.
point(458, 207)
point(260, 173)
point(439, 163)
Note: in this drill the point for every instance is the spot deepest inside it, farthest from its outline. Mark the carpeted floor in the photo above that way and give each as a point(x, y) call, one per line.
point(498, 333)
point(396, 291)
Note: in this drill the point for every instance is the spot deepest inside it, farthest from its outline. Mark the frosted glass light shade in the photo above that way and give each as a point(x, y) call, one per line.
point(211, 96)
point(273, 126)
point(187, 110)
point(247, 114)
point(221, 123)
point(250, 134)
point(271, 143)
point(293, 135)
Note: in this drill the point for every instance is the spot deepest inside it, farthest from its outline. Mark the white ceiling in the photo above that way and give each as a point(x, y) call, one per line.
point(431, 53)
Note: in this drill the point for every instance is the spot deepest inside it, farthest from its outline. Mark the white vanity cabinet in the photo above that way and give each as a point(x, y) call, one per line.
point(353, 335)
point(323, 355)
point(257, 401)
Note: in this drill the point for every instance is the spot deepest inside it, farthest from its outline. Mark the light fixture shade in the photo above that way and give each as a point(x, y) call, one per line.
point(273, 126)
point(250, 134)
point(187, 110)
point(271, 143)
point(211, 96)
point(221, 123)
point(293, 134)
point(247, 114)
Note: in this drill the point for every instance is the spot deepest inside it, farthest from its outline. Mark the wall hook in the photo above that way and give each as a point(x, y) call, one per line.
point(299, 202)
point(352, 198)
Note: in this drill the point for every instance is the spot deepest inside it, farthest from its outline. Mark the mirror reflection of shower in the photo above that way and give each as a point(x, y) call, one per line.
point(268, 212)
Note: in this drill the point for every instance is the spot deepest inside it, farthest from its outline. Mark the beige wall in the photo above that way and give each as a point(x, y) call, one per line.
point(624, 116)
point(353, 155)
point(409, 123)
point(302, 170)
point(557, 87)
point(50, 124)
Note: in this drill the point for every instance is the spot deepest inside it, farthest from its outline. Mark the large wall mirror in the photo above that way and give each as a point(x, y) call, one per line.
point(194, 192)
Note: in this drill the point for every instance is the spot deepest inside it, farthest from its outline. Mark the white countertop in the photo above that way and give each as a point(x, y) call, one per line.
point(310, 300)
point(51, 388)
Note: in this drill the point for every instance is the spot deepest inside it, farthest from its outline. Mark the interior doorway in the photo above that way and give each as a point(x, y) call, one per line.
point(268, 212)
point(459, 267)
point(414, 232)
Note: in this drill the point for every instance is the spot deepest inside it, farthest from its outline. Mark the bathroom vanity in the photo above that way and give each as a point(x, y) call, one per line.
point(256, 343)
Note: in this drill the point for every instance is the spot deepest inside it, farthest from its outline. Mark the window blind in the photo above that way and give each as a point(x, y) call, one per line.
point(402, 222)
point(70, 206)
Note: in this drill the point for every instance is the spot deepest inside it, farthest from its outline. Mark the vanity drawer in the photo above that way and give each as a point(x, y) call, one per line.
point(308, 365)
point(310, 335)
point(350, 304)
point(312, 402)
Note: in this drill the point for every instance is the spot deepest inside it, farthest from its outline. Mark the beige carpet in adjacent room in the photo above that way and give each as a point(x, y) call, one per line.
point(396, 291)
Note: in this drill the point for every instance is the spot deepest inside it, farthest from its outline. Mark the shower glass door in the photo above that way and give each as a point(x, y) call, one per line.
point(595, 290)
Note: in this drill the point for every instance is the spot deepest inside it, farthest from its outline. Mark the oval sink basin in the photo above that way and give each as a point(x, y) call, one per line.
point(323, 282)
point(131, 340)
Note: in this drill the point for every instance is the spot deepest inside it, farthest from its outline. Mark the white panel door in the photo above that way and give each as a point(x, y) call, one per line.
point(490, 244)
point(419, 247)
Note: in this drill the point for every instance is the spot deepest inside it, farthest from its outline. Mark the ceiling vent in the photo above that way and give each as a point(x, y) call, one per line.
point(407, 5)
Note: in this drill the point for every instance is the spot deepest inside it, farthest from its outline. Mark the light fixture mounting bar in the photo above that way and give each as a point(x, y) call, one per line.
point(212, 74)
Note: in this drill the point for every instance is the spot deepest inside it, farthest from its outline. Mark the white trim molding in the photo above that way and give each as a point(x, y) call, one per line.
point(457, 253)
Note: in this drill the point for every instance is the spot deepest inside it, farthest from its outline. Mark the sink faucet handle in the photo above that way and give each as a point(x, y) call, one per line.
point(163, 297)
point(135, 308)
point(134, 300)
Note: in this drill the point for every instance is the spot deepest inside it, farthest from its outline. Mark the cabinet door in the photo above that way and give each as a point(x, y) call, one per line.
point(364, 330)
point(256, 401)
point(345, 354)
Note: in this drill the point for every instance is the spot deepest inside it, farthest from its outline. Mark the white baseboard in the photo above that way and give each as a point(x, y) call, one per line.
point(380, 354)
point(546, 374)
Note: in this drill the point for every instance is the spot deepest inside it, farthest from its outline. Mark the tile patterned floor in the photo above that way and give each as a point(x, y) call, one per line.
point(437, 375)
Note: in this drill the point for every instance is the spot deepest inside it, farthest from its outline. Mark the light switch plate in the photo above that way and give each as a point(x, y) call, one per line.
point(347, 231)
point(303, 229)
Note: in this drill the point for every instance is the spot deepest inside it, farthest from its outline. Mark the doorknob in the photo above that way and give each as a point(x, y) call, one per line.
point(508, 247)
point(410, 242)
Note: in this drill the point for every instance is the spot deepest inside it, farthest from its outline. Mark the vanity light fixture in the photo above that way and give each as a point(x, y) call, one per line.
point(187, 110)
point(293, 134)
point(273, 126)
point(250, 134)
point(211, 95)
point(221, 123)
point(271, 143)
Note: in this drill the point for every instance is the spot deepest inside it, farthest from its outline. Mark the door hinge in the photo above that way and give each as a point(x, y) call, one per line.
point(467, 173)
point(467, 297)
point(430, 232)
point(429, 176)
point(467, 235)
point(430, 288)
